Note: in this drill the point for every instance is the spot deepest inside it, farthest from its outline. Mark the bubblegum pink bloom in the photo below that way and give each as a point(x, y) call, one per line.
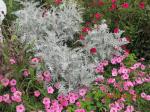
point(12, 61)
point(125, 76)
point(46, 101)
point(82, 92)
point(78, 104)
point(37, 93)
point(125, 5)
point(143, 95)
point(20, 108)
point(6, 98)
point(46, 74)
point(13, 89)
point(147, 97)
point(50, 90)
point(114, 72)
point(35, 60)
point(142, 5)
point(80, 110)
point(142, 67)
point(72, 99)
point(111, 80)
point(113, 109)
point(13, 82)
point(138, 80)
point(5, 82)
point(130, 108)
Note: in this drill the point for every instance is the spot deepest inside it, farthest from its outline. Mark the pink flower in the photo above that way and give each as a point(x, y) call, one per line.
point(113, 1)
point(13, 89)
point(85, 29)
point(130, 108)
point(142, 5)
point(35, 60)
point(142, 67)
point(113, 109)
point(20, 108)
point(111, 80)
point(78, 104)
point(93, 50)
point(13, 82)
point(143, 95)
point(26, 73)
point(50, 90)
point(37, 93)
point(12, 61)
point(57, 85)
point(58, 2)
point(5, 82)
point(46, 101)
point(6, 98)
point(125, 5)
point(82, 37)
point(97, 15)
point(82, 92)
point(80, 110)
point(114, 72)
point(113, 6)
point(125, 76)
point(116, 30)
point(1, 99)
point(147, 98)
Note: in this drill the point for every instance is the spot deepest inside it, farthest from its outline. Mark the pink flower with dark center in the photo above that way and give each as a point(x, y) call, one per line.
point(82, 92)
point(5, 82)
point(35, 60)
point(125, 76)
point(26, 73)
point(143, 95)
point(6, 97)
point(13, 89)
point(37, 93)
point(20, 108)
point(46, 101)
point(50, 90)
point(13, 82)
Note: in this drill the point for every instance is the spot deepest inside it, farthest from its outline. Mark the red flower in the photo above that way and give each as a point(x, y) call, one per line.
point(85, 29)
point(116, 30)
point(142, 5)
point(97, 15)
point(82, 37)
point(58, 2)
point(125, 5)
point(100, 3)
point(93, 50)
point(113, 6)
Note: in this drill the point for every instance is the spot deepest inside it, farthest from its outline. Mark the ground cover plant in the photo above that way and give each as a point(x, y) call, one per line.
point(73, 56)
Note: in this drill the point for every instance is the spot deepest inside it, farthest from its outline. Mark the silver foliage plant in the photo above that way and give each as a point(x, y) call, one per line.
point(51, 29)
point(107, 44)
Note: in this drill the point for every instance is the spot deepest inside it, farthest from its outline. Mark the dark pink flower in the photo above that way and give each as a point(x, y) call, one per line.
point(142, 5)
point(125, 5)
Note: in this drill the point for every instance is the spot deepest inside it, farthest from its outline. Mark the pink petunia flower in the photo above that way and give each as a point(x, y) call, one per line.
point(20, 108)
point(37, 93)
point(46, 101)
point(13, 82)
point(50, 90)
point(5, 82)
